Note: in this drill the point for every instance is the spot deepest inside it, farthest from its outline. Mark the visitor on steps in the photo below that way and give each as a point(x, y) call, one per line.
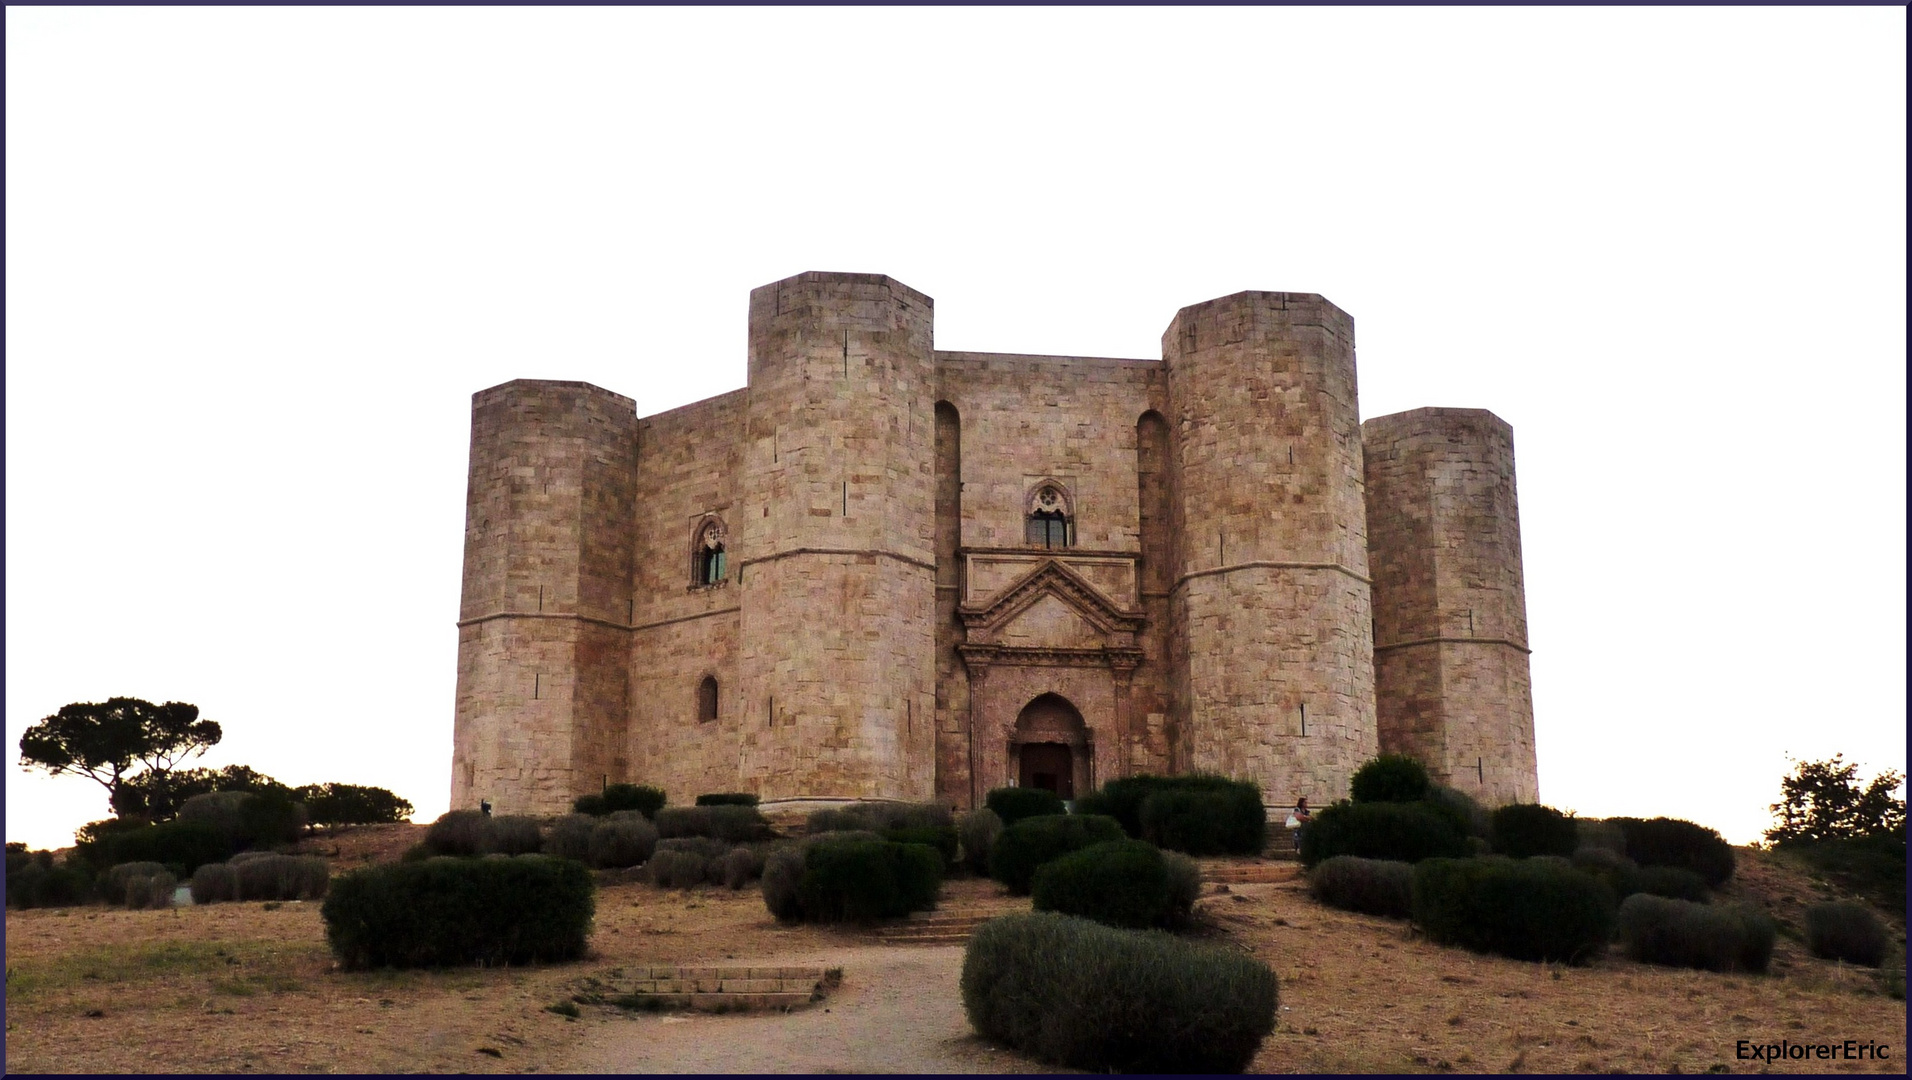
point(1297, 819)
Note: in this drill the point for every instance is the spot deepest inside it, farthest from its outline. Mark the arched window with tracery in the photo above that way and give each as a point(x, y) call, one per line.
point(1050, 524)
point(708, 564)
point(707, 699)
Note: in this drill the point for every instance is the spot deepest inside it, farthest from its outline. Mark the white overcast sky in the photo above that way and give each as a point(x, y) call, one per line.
point(259, 260)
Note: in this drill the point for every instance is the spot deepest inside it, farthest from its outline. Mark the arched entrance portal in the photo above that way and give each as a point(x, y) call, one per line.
point(1051, 747)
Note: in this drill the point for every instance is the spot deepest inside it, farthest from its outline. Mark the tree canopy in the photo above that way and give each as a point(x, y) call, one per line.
point(103, 741)
point(157, 796)
point(1822, 800)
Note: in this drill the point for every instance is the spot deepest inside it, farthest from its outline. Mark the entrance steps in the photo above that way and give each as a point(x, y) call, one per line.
point(935, 927)
point(727, 989)
point(1265, 873)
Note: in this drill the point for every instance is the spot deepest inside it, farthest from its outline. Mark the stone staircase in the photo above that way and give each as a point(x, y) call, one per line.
point(1267, 873)
point(950, 927)
point(727, 989)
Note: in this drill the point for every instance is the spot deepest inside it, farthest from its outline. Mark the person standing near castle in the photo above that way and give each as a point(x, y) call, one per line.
point(1297, 819)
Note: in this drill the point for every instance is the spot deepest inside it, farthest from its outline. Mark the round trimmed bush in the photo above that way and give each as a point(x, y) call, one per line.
point(113, 883)
point(1675, 842)
point(451, 911)
point(1075, 993)
point(1205, 818)
point(1382, 887)
point(645, 800)
point(1390, 778)
point(782, 872)
point(1523, 830)
point(1472, 818)
point(867, 880)
point(731, 824)
point(1524, 909)
point(569, 837)
point(1400, 831)
point(1847, 930)
point(457, 832)
point(150, 890)
point(181, 845)
point(678, 869)
point(1668, 881)
point(215, 883)
point(742, 866)
point(620, 840)
point(727, 798)
point(510, 834)
point(1678, 933)
point(976, 832)
point(1120, 883)
point(1017, 804)
point(1026, 845)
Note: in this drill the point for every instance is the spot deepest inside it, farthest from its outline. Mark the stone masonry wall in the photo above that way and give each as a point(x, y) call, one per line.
point(541, 680)
point(1450, 614)
point(1272, 596)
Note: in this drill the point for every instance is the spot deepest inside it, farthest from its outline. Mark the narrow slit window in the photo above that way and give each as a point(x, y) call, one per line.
point(707, 699)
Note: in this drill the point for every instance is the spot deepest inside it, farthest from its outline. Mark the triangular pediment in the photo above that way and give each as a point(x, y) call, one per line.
point(1049, 607)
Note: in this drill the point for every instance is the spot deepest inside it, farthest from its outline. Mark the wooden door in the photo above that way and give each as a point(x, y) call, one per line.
point(1049, 766)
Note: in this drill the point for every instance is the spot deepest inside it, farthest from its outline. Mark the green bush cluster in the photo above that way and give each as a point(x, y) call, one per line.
point(1524, 909)
point(1026, 845)
point(472, 832)
point(867, 880)
point(1679, 933)
point(1398, 831)
point(727, 798)
point(34, 880)
point(1625, 877)
point(214, 883)
point(1013, 804)
point(1869, 866)
point(622, 838)
point(1390, 778)
point(1198, 813)
point(1460, 808)
point(976, 833)
point(645, 800)
point(733, 824)
point(1075, 993)
point(1847, 930)
point(904, 823)
point(448, 911)
point(1371, 886)
point(742, 866)
point(782, 873)
point(1119, 882)
point(248, 819)
point(261, 875)
point(112, 884)
point(1523, 830)
point(333, 805)
point(182, 846)
point(678, 869)
point(151, 890)
point(1673, 842)
point(568, 837)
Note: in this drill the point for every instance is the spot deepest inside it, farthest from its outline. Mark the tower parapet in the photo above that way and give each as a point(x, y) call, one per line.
point(1270, 603)
point(837, 516)
point(1450, 609)
point(542, 632)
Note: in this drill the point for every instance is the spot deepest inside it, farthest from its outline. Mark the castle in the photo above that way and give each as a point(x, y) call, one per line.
point(885, 571)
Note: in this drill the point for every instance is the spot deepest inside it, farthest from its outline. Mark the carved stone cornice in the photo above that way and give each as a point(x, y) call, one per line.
point(980, 658)
point(1050, 577)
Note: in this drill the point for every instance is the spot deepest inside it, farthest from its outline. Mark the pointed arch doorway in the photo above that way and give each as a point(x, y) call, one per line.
point(1051, 748)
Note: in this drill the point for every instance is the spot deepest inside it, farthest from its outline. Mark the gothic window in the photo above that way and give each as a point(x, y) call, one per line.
point(708, 566)
point(1049, 524)
point(707, 699)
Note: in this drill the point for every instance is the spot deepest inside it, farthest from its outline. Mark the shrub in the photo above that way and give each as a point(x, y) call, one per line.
point(457, 832)
point(1371, 886)
point(1206, 816)
point(1184, 888)
point(112, 884)
point(1461, 807)
point(620, 840)
point(645, 800)
point(732, 824)
point(41, 885)
point(782, 872)
point(182, 845)
point(976, 833)
point(1026, 845)
point(460, 911)
point(1074, 993)
point(220, 810)
point(150, 890)
point(1523, 909)
point(1390, 778)
point(1404, 832)
point(1123, 800)
point(215, 883)
point(333, 805)
point(590, 806)
point(1523, 830)
point(417, 853)
point(1677, 933)
point(280, 877)
point(1015, 804)
point(865, 880)
point(1847, 930)
point(727, 798)
point(678, 869)
point(1120, 883)
point(1668, 881)
point(510, 834)
point(742, 866)
point(270, 817)
point(940, 837)
point(569, 837)
point(1673, 842)
point(1872, 867)
point(707, 846)
point(1600, 833)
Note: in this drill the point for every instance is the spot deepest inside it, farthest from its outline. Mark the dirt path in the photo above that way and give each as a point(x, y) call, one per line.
point(898, 1010)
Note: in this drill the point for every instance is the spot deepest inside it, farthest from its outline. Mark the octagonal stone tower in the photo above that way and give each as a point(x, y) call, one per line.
point(1450, 606)
point(1270, 611)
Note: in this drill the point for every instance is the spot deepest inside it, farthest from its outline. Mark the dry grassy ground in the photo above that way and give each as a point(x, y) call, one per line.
point(239, 988)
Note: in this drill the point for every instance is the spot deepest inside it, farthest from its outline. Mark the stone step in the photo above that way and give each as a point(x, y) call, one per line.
point(1250, 875)
point(721, 1002)
point(723, 989)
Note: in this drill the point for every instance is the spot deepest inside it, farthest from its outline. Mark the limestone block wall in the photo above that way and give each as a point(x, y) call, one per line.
point(1450, 617)
point(541, 669)
point(1271, 600)
point(689, 460)
point(836, 541)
